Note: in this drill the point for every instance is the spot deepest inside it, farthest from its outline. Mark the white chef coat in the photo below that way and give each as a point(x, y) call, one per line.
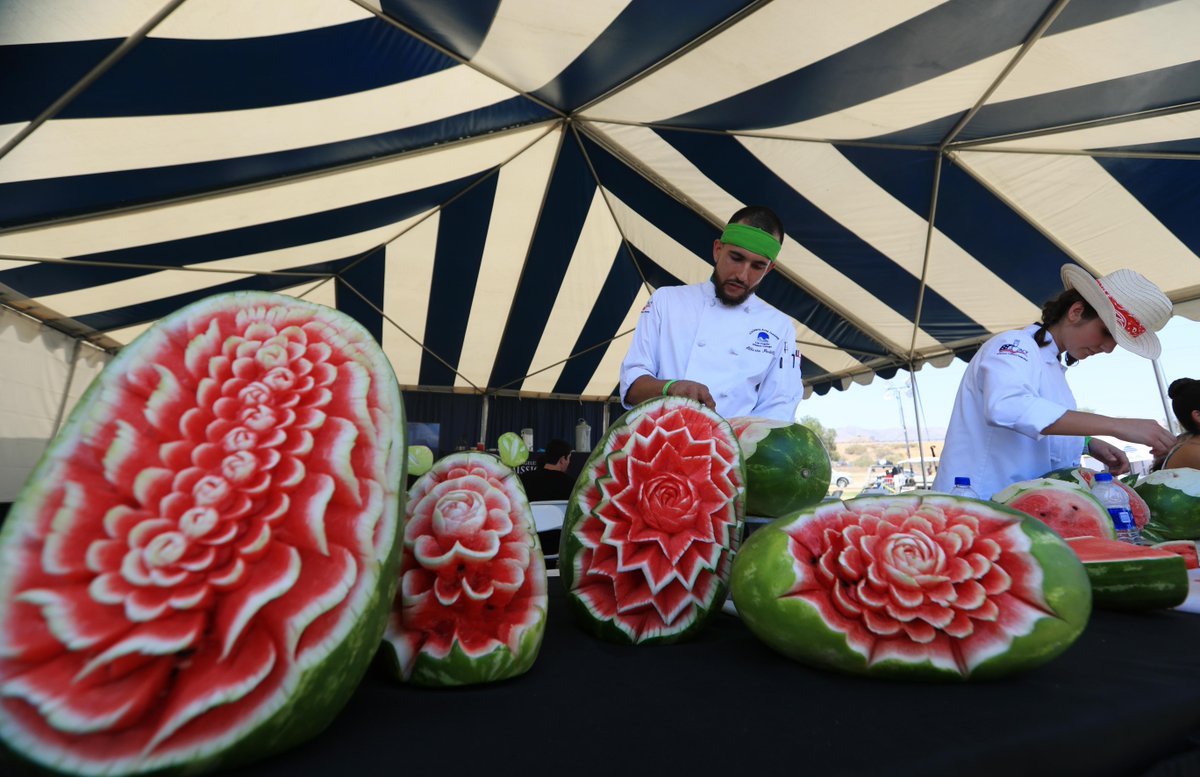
point(746, 354)
point(1012, 389)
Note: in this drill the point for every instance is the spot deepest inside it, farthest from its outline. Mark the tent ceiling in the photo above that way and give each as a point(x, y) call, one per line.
point(494, 187)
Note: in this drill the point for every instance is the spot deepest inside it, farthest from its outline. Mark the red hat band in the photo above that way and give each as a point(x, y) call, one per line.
point(1125, 319)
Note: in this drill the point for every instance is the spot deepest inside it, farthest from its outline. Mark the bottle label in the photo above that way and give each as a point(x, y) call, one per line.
point(1122, 519)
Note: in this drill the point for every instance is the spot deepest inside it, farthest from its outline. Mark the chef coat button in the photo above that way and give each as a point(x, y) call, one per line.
point(701, 343)
point(733, 351)
point(722, 395)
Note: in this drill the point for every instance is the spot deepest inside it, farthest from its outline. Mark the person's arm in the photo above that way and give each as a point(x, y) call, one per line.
point(647, 387)
point(641, 362)
point(783, 386)
point(1139, 430)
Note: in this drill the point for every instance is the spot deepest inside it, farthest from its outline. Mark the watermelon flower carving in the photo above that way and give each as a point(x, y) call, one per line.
point(934, 583)
point(472, 602)
point(651, 533)
point(208, 531)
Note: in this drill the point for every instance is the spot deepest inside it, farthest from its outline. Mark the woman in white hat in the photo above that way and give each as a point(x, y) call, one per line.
point(1014, 417)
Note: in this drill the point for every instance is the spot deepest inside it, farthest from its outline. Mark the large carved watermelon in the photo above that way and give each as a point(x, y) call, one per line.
point(1085, 477)
point(787, 466)
point(653, 523)
point(472, 601)
point(1067, 507)
point(1173, 496)
point(915, 587)
point(198, 571)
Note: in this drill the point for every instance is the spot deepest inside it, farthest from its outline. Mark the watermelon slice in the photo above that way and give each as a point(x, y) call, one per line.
point(1068, 508)
point(1132, 577)
point(912, 587)
point(653, 523)
point(787, 466)
point(1173, 496)
point(199, 569)
point(472, 601)
point(1185, 548)
point(1085, 477)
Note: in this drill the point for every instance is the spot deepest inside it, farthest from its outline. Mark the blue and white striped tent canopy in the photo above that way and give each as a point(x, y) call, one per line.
point(494, 187)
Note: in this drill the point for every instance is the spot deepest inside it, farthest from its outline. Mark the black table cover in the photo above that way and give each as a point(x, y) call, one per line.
point(1123, 700)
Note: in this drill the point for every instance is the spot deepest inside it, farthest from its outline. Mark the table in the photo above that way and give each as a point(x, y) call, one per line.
point(1124, 697)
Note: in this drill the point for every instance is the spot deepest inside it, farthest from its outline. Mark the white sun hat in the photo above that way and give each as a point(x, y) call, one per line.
point(1130, 306)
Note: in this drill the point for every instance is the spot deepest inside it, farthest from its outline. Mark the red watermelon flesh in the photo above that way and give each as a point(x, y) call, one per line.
point(193, 572)
point(1185, 548)
point(1087, 477)
point(653, 523)
point(1070, 510)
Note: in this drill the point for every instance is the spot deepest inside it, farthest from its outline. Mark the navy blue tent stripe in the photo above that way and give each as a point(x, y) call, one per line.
point(949, 36)
point(147, 311)
point(617, 293)
point(737, 171)
point(38, 74)
point(564, 212)
point(43, 279)
point(1167, 189)
point(30, 202)
point(636, 39)
point(458, 25)
point(460, 244)
point(367, 280)
point(173, 76)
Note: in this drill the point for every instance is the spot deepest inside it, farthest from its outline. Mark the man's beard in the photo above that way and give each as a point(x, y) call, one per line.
point(732, 300)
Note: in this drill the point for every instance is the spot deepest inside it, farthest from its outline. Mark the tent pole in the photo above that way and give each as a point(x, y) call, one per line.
point(66, 392)
point(604, 418)
point(1172, 425)
point(483, 422)
point(916, 398)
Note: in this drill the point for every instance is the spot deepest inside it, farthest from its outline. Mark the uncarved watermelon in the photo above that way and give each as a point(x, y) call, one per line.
point(912, 587)
point(1174, 499)
point(1067, 507)
point(1132, 577)
point(472, 601)
point(653, 523)
point(199, 570)
point(787, 466)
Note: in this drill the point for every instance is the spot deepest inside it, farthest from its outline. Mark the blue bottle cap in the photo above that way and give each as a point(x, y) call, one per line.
point(961, 481)
point(1103, 477)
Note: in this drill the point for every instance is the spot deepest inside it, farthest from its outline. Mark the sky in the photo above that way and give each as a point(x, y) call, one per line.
point(1118, 384)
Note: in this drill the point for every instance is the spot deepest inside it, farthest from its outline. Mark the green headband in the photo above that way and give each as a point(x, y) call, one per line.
point(752, 239)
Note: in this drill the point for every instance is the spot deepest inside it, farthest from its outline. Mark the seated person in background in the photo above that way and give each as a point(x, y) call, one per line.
point(1185, 402)
point(550, 480)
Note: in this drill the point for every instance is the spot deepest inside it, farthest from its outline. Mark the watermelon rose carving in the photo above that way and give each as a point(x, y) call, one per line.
point(197, 571)
point(653, 523)
point(472, 601)
point(927, 586)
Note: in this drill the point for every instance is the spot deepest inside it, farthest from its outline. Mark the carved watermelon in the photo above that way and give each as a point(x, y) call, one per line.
point(1085, 477)
point(787, 466)
point(912, 587)
point(1131, 577)
point(1068, 508)
point(472, 601)
point(1173, 496)
point(653, 523)
point(199, 570)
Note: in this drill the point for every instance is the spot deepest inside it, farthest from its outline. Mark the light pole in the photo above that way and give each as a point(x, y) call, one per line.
point(896, 392)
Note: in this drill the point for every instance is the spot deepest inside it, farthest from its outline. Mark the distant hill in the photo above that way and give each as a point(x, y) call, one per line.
point(889, 434)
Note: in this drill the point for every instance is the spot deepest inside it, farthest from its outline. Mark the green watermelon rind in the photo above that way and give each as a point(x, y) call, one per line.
point(570, 546)
point(772, 487)
point(1135, 584)
point(318, 693)
point(762, 574)
point(1173, 496)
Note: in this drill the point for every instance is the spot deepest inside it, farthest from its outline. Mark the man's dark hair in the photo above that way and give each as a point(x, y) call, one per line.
point(555, 451)
point(759, 216)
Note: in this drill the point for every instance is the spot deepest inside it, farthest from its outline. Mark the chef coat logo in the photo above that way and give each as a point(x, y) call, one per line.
point(762, 341)
point(1012, 349)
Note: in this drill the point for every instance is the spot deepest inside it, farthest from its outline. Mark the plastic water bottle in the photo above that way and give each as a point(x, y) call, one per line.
point(962, 487)
point(1116, 501)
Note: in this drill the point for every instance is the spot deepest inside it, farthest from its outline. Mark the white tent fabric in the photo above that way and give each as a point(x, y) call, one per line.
point(494, 187)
